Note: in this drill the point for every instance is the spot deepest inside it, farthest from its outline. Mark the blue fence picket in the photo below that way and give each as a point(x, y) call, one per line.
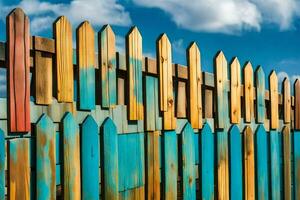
point(275, 164)
point(170, 164)
point(188, 162)
point(2, 165)
point(71, 160)
point(236, 163)
point(262, 157)
point(207, 166)
point(90, 159)
point(296, 164)
point(109, 159)
point(45, 159)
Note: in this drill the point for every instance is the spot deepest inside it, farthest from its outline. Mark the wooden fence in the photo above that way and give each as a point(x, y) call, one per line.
point(80, 125)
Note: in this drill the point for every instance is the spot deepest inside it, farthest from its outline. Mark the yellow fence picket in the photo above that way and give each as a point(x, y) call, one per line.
point(286, 101)
point(235, 88)
point(249, 164)
point(274, 100)
point(297, 104)
point(248, 92)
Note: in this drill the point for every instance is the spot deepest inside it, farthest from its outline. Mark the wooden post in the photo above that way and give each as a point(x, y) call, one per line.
point(286, 101)
point(248, 93)
point(260, 95)
point(249, 164)
point(235, 88)
point(297, 104)
point(287, 181)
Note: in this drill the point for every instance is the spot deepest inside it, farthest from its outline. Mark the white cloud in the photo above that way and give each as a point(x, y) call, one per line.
point(98, 12)
point(281, 76)
point(178, 47)
point(227, 16)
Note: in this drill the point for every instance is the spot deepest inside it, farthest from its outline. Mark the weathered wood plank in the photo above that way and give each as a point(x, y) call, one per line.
point(248, 92)
point(2, 164)
point(43, 78)
point(236, 163)
point(207, 166)
point(153, 166)
point(170, 165)
point(71, 160)
point(296, 177)
point(297, 104)
point(260, 95)
point(287, 182)
point(181, 100)
point(166, 98)
point(18, 46)
point(90, 159)
point(275, 168)
point(150, 103)
point(86, 66)
point(134, 74)
point(249, 163)
point(262, 159)
point(274, 123)
point(107, 62)
point(19, 169)
point(286, 101)
point(43, 44)
point(45, 159)
point(64, 63)
point(235, 91)
point(194, 83)
point(109, 159)
point(188, 162)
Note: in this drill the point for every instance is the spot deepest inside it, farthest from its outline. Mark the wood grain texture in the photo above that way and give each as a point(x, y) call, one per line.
point(19, 169)
point(249, 163)
point(287, 181)
point(153, 166)
point(248, 92)
point(109, 160)
point(43, 78)
point(2, 164)
point(107, 63)
point(86, 66)
point(297, 104)
point(181, 100)
point(194, 84)
point(236, 163)
point(260, 95)
point(166, 97)
point(296, 149)
point(151, 105)
point(71, 160)
point(274, 123)
point(170, 165)
point(188, 162)
point(286, 101)
point(64, 63)
point(90, 159)
point(275, 166)
point(207, 166)
point(235, 89)
point(45, 159)
point(134, 74)
point(262, 163)
point(18, 47)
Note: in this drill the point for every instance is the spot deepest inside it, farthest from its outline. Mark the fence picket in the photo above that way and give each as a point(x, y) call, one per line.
point(64, 59)
point(134, 75)
point(45, 159)
point(90, 160)
point(287, 183)
point(86, 66)
point(286, 101)
point(2, 164)
point(107, 65)
point(109, 160)
point(236, 163)
point(195, 93)
point(235, 88)
point(249, 163)
point(297, 104)
point(19, 169)
point(71, 160)
point(260, 95)
point(274, 100)
point(248, 92)
point(18, 49)
point(188, 162)
point(151, 107)
point(275, 168)
point(262, 159)
point(296, 177)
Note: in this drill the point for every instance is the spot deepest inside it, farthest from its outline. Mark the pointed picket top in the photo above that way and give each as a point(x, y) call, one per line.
point(206, 128)
point(221, 88)
point(134, 74)
point(297, 104)
point(64, 59)
point(107, 65)
point(89, 121)
point(274, 100)
point(44, 120)
point(260, 128)
point(248, 92)
point(286, 100)
point(260, 94)
point(235, 88)
point(108, 122)
point(234, 128)
point(194, 81)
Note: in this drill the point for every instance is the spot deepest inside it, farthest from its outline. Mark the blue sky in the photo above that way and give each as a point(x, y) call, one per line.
point(267, 32)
